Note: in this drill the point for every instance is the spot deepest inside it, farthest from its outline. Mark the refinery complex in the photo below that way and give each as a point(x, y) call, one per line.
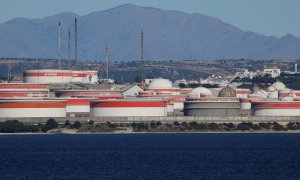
point(52, 93)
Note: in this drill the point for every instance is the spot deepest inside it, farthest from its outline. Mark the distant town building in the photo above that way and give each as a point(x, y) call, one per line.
point(274, 72)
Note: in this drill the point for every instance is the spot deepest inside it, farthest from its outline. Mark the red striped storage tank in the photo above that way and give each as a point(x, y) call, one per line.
point(102, 95)
point(129, 107)
point(245, 103)
point(242, 93)
point(276, 108)
point(47, 76)
point(78, 105)
point(24, 90)
point(92, 77)
point(79, 77)
point(32, 108)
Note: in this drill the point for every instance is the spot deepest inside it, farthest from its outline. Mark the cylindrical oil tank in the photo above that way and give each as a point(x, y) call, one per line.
point(78, 105)
point(24, 90)
point(245, 103)
point(47, 76)
point(128, 107)
point(102, 95)
point(32, 108)
point(79, 77)
point(276, 108)
point(92, 77)
point(242, 93)
point(213, 107)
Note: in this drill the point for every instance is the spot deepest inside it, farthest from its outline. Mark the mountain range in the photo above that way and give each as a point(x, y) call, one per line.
point(168, 35)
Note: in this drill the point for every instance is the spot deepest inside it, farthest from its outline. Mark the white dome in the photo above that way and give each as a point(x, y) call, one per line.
point(273, 95)
point(200, 92)
point(160, 84)
point(262, 93)
point(278, 85)
point(271, 89)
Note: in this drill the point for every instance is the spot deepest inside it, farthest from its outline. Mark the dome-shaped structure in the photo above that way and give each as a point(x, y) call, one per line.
point(278, 85)
point(273, 95)
point(271, 89)
point(160, 84)
point(200, 92)
point(227, 92)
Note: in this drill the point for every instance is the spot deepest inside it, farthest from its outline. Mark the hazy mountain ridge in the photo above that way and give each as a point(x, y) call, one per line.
point(168, 35)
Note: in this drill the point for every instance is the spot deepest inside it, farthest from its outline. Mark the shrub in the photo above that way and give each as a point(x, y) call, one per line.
point(51, 124)
point(243, 126)
point(213, 126)
point(91, 122)
point(292, 126)
point(278, 127)
point(76, 125)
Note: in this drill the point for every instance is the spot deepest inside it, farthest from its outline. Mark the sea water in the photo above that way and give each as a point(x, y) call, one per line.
point(150, 156)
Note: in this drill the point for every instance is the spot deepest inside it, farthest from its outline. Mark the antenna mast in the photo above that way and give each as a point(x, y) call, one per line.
point(142, 56)
point(59, 46)
point(69, 47)
point(76, 43)
point(106, 50)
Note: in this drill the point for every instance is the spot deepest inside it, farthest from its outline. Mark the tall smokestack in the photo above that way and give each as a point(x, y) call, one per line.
point(69, 48)
point(296, 68)
point(59, 45)
point(76, 43)
point(106, 57)
point(142, 56)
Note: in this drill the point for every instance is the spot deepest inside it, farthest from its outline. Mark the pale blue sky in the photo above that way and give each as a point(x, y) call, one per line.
point(269, 17)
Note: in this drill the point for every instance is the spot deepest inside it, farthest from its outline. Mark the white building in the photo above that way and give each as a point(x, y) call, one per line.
point(274, 72)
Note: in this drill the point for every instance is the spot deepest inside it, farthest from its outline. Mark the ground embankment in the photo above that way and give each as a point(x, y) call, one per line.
point(169, 119)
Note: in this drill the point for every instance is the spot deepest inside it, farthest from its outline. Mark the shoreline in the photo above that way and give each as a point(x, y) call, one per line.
point(127, 133)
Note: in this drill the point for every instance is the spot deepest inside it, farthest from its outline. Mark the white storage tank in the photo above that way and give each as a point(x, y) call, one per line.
point(24, 90)
point(78, 105)
point(79, 77)
point(32, 108)
point(242, 93)
point(245, 103)
point(92, 77)
point(276, 108)
point(128, 107)
point(47, 76)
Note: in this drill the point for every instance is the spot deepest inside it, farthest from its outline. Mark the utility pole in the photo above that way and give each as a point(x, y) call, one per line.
point(106, 50)
point(69, 48)
point(59, 46)
point(76, 43)
point(142, 57)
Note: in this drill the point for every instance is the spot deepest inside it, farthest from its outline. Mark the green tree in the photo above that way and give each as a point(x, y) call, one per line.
point(76, 125)
point(51, 124)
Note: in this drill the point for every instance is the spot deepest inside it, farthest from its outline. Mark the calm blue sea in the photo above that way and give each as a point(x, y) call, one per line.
point(150, 156)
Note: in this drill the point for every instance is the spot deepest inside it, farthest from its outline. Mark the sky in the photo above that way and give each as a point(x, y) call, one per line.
point(268, 17)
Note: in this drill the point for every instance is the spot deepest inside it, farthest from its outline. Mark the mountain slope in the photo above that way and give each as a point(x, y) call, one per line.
point(168, 35)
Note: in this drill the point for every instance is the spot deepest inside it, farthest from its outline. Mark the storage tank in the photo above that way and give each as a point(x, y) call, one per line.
point(245, 103)
point(200, 92)
point(79, 77)
point(242, 93)
point(32, 108)
point(92, 77)
point(78, 105)
point(89, 94)
point(163, 87)
point(286, 95)
point(276, 108)
point(23, 90)
point(128, 107)
point(212, 107)
point(47, 76)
